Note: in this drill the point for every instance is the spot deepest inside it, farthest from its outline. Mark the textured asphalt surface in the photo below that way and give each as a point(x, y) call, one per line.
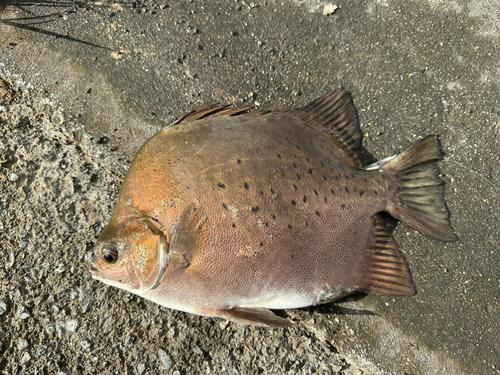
point(84, 84)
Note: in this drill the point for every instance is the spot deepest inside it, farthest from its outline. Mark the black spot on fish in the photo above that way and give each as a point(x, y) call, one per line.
point(325, 199)
point(332, 191)
point(272, 191)
point(321, 163)
point(346, 189)
point(378, 180)
point(221, 185)
point(261, 192)
point(342, 205)
point(317, 213)
point(255, 209)
point(234, 225)
point(336, 177)
point(375, 192)
point(306, 226)
point(295, 156)
point(279, 156)
point(304, 199)
point(289, 226)
point(346, 177)
point(353, 176)
point(245, 185)
point(294, 187)
point(274, 217)
point(238, 161)
point(310, 171)
point(298, 147)
point(308, 160)
point(294, 203)
point(224, 205)
point(298, 175)
point(261, 244)
point(361, 193)
point(364, 179)
point(315, 192)
point(294, 165)
point(324, 178)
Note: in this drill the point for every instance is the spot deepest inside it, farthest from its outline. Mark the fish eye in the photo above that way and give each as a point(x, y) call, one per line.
point(109, 253)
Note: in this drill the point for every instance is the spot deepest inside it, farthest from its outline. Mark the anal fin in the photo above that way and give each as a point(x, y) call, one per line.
point(386, 273)
point(255, 316)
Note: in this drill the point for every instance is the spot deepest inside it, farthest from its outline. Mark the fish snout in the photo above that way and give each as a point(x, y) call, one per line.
point(94, 271)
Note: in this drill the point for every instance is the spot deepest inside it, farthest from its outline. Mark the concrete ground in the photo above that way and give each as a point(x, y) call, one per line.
point(84, 84)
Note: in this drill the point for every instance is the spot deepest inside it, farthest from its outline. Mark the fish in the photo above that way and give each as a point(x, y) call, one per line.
point(234, 213)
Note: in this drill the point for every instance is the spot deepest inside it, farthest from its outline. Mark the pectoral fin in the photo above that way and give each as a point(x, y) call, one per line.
point(188, 235)
point(255, 316)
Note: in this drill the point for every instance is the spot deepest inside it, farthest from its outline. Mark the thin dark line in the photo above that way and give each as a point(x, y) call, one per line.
point(51, 33)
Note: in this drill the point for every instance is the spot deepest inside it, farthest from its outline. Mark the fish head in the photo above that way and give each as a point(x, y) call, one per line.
point(131, 254)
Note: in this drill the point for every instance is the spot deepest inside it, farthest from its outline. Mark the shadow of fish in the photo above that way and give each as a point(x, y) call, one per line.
point(231, 214)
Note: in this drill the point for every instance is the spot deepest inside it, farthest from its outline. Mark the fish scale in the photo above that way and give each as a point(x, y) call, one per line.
point(267, 210)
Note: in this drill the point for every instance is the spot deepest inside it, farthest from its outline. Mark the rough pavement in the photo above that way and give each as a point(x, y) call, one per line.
point(84, 84)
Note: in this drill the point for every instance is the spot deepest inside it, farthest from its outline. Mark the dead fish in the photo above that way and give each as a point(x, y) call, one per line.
point(229, 213)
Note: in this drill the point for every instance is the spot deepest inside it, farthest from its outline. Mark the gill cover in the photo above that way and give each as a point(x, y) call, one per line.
point(150, 247)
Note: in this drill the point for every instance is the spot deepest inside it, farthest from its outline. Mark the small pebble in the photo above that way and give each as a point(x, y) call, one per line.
point(71, 325)
point(26, 357)
point(22, 344)
point(85, 345)
point(166, 362)
point(3, 307)
point(57, 118)
point(197, 351)
point(13, 177)
point(330, 9)
point(130, 340)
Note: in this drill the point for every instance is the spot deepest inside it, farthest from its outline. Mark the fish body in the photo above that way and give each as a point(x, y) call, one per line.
point(231, 214)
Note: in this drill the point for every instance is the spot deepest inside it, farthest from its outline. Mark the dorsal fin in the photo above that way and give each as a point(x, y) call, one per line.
point(185, 240)
point(337, 112)
point(214, 110)
point(386, 273)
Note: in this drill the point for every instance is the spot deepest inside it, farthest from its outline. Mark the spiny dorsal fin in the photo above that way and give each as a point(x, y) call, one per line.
point(214, 110)
point(186, 239)
point(337, 112)
point(255, 316)
point(387, 273)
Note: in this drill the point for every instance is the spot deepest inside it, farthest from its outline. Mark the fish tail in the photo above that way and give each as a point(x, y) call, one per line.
point(419, 200)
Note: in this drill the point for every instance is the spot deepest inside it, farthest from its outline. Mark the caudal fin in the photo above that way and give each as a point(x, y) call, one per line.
point(419, 200)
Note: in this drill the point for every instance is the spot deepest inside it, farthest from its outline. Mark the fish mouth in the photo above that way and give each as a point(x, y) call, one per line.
point(93, 271)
